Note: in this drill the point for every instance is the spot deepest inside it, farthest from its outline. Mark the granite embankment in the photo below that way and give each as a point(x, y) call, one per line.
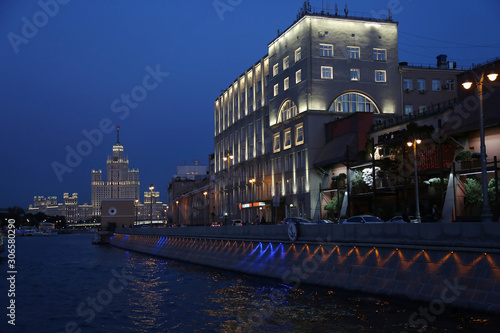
point(453, 264)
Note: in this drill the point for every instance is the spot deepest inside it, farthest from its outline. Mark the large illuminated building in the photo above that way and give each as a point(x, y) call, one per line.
point(121, 183)
point(270, 122)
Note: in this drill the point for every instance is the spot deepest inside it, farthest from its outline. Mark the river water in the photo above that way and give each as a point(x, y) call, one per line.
point(66, 284)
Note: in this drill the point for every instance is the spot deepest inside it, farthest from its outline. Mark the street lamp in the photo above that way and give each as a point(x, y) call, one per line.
point(227, 158)
point(136, 203)
point(205, 204)
point(414, 143)
point(486, 215)
point(251, 181)
point(151, 188)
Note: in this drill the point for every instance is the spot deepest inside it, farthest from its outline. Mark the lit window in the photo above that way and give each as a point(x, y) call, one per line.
point(298, 76)
point(353, 52)
point(408, 109)
point(326, 72)
point(288, 110)
point(436, 84)
point(379, 55)
point(421, 84)
point(326, 50)
point(287, 140)
point(275, 70)
point(298, 54)
point(286, 84)
point(354, 74)
point(408, 84)
point(380, 76)
point(353, 102)
point(299, 134)
point(286, 63)
point(421, 108)
point(276, 89)
point(276, 143)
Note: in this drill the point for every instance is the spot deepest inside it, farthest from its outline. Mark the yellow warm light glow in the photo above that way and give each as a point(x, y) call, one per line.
point(409, 144)
point(492, 76)
point(419, 141)
point(467, 85)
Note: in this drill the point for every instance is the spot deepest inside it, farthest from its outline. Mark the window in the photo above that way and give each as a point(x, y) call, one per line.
point(298, 54)
point(287, 140)
point(286, 84)
point(286, 63)
point(450, 84)
point(408, 84)
point(353, 102)
point(276, 143)
point(276, 89)
point(326, 72)
point(301, 159)
point(299, 134)
point(298, 76)
point(408, 109)
point(289, 162)
point(275, 70)
point(354, 74)
point(326, 50)
point(379, 55)
point(267, 81)
point(353, 52)
point(436, 84)
point(288, 110)
point(380, 76)
point(259, 86)
point(421, 108)
point(421, 84)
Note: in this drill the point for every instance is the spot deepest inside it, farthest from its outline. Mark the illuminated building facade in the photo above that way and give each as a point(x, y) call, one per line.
point(121, 183)
point(270, 122)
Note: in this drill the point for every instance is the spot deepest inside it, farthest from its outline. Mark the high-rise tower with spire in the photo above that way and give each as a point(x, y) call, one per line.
point(121, 183)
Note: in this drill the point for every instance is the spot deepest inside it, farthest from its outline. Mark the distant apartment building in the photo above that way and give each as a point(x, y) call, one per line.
point(424, 87)
point(69, 208)
point(189, 196)
point(121, 182)
point(269, 123)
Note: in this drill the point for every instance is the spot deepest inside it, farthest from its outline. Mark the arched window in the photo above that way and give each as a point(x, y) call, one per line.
point(353, 102)
point(288, 110)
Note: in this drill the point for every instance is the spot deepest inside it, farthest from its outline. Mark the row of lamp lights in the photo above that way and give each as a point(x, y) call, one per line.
point(486, 215)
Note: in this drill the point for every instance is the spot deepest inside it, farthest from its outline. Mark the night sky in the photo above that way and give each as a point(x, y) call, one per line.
point(69, 74)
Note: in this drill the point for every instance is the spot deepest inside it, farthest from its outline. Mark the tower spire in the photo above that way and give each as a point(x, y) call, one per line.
point(117, 135)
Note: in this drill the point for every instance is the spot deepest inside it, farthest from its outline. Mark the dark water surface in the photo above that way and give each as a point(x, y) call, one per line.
point(66, 284)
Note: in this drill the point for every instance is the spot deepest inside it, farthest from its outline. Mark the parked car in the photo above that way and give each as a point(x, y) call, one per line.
point(396, 219)
point(300, 220)
point(325, 221)
point(236, 223)
point(215, 224)
point(360, 219)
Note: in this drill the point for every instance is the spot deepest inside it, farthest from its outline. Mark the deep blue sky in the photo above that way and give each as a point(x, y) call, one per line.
point(63, 79)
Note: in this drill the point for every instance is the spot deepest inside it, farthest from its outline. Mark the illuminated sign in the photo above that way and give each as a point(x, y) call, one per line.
point(252, 204)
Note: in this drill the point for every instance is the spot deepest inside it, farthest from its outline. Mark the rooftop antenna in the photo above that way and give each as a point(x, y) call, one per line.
point(346, 11)
point(336, 10)
point(328, 9)
point(322, 8)
point(390, 15)
point(118, 135)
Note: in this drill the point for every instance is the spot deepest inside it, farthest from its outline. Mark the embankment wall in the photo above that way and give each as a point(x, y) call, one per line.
point(444, 264)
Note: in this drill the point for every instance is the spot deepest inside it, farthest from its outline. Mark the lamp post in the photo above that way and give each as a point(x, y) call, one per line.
point(205, 204)
point(414, 143)
point(136, 203)
point(251, 181)
point(151, 188)
point(178, 215)
point(227, 158)
point(486, 215)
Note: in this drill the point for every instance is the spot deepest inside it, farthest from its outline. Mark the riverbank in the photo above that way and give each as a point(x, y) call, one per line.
point(444, 264)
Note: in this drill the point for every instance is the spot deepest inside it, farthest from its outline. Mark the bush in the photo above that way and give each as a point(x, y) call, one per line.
point(464, 155)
